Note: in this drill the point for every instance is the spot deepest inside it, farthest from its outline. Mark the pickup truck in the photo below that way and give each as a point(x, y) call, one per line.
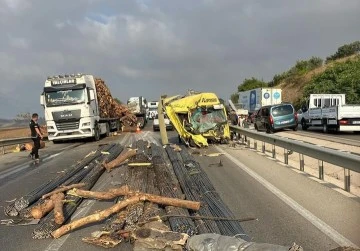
point(330, 112)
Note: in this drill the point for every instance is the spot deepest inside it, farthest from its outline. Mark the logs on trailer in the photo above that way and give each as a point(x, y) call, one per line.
point(109, 108)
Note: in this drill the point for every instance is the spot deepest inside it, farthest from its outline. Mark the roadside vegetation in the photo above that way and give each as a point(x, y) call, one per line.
point(339, 73)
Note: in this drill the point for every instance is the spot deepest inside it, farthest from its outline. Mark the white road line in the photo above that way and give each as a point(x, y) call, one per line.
point(321, 225)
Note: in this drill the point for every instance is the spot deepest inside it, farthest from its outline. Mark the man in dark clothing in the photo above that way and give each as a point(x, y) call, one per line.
point(36, 136)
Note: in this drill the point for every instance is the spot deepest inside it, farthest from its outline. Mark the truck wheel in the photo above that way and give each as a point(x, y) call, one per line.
point(107, 130)
point(97, 133)
point(303, 125)
point(325, 128)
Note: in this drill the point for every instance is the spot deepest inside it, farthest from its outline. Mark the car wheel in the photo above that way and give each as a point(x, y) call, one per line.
point(269, 129)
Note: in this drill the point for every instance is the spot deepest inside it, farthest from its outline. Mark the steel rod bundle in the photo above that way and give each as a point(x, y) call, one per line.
point(47, 224)
point(25, 201)
point(168, 186)
point(195, 179)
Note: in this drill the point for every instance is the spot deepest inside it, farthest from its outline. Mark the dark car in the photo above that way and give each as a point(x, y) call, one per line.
point(276, 117)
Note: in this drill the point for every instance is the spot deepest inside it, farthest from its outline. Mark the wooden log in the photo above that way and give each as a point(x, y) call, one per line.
point(63, 189)
point(120, 159)
point(124, 191)
point(58, 207)
point(29, 146)
point(109, 195)
point(136, 197)
point(41, 210)
point(99, 216)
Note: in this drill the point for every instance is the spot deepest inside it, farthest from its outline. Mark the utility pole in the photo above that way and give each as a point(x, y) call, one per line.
point(162, 126)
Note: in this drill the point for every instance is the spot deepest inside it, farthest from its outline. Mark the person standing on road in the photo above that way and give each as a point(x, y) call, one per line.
point(36, 136)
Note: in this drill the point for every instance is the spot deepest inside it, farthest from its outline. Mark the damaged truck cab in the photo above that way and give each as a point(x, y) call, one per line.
point(199, 118)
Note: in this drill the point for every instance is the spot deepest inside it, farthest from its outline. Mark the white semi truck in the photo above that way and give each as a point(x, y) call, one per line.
point(330, 112)
point(253, 100)
point(72, 109)
point(138, 106)
point(153, 109)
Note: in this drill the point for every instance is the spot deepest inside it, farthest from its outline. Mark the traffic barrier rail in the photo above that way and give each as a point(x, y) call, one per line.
point(15, 141)
point(343, 159)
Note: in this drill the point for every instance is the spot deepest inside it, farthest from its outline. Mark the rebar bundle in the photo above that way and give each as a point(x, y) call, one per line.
point(195, 182)
point(169, 187)
point(47, 224)
point(23, 202)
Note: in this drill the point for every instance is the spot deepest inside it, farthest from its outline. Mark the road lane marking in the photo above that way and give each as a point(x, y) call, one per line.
point(318, 223)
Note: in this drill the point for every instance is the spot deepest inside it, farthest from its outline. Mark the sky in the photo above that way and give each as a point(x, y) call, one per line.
point(154, 47)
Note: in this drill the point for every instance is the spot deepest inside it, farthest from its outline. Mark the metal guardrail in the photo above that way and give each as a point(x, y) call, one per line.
point(346, 160)
point(15, 141)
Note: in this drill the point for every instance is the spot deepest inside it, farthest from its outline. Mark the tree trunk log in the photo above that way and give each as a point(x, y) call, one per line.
point(58, 207)
point(41, 210)
point(124, 191)
point(120, 159)
point(63, 189)
point(94, 217)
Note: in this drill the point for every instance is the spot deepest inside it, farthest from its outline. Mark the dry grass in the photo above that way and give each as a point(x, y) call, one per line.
point(8, 133)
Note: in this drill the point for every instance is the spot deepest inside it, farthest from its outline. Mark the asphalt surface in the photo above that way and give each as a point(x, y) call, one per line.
point(279, 221)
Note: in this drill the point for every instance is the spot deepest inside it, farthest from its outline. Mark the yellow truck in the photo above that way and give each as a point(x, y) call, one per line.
point(199, 118)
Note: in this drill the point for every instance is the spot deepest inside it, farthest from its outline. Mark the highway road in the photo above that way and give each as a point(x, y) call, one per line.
point(290, 206)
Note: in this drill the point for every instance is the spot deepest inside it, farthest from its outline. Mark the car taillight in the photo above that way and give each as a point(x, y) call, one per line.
point(344, 122)
point(271, 120)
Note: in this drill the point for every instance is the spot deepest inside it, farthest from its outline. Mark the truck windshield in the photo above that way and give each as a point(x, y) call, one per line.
point(65, 97)
point(205, 120)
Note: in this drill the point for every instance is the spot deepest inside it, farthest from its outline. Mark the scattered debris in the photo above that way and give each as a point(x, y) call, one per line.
point(213, 154)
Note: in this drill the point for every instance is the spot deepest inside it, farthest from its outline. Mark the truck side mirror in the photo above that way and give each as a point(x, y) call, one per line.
point(92, 95)
point(42, 100)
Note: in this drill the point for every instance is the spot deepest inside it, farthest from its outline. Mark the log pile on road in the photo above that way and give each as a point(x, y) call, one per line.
point(109, 107)
point(151, 208)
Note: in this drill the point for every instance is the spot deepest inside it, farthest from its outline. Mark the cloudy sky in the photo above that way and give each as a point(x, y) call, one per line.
point(153, 47)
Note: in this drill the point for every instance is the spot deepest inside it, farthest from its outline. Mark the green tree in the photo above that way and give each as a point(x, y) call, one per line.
point(234, 98)
point(340, 78)
point(251, 83)
point(345, 51)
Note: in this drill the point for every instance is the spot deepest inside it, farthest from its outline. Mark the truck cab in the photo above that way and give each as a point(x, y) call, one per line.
point(71, 108)
point(139, 106)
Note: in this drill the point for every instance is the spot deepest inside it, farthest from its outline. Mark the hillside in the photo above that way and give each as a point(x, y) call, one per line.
point(293, 87)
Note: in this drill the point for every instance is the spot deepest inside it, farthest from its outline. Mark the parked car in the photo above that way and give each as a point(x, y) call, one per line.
point(168, 124)
point(276, 117)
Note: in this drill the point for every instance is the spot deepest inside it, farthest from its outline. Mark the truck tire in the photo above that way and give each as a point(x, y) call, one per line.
point(97, 133)
point(304, 125)
point(107, 134)
point(325, 128)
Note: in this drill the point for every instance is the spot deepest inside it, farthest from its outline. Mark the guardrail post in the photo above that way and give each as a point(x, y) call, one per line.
point(321, 169)
point(255, 145)
point(286, 157)
point(242, 140)
point(3, 150)
point(347, 180)
point(263, 147)
point(302, 162)
point(248, 143)
point(273, 152)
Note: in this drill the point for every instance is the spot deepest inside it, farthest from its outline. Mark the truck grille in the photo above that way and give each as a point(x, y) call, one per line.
point(61, 126)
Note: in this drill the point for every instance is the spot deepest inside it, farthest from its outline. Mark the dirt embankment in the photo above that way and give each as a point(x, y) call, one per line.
point(8, 133)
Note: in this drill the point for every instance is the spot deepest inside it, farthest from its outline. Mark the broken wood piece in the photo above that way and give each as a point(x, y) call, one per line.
point(99, 216)
point(63, 189)
point(120, 159)
point(58, 207)
point(42, 209)
point(104, 241)
point(124, 191)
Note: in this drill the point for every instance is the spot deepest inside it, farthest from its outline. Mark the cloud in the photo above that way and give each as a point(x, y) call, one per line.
point(149, 48)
